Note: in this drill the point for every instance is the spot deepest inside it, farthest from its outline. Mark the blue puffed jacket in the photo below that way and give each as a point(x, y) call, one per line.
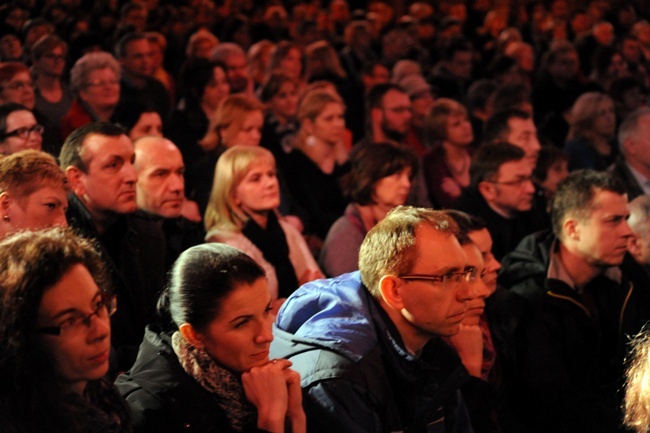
point(355, 372)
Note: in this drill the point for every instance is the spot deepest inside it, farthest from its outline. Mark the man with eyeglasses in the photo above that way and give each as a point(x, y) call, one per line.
point(367, 344)
point(390, 113)
point(581, 303)
point(135, 54)
point(501, 192)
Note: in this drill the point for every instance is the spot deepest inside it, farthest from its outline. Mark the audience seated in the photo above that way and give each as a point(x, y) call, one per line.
point(592, 78)
point(205, 363)
point(55, 336)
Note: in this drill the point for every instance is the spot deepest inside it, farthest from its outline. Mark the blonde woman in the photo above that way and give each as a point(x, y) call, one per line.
point(242, 212)
point(317, 161)
point(238, 120)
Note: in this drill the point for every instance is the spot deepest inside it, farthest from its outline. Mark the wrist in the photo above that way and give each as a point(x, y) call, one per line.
point(271, 421)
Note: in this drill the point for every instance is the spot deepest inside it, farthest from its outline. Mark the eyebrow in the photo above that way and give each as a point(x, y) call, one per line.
point(73, 310)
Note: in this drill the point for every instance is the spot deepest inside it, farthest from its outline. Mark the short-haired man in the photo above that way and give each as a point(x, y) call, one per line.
point(501, 192)
point(135, 54)
point(390, 113)
point(98, 161)
point(161, 193)
point(367, 343)
point(236, 62)
point(516, 127)
point(581, 304)
point(632, 166)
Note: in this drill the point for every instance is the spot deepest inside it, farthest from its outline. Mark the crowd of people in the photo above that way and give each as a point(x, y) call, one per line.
point(340, 215)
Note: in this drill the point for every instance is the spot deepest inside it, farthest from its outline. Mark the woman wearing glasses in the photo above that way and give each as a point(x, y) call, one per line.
point(18, 129)
point(95, 79)
point(55, 337)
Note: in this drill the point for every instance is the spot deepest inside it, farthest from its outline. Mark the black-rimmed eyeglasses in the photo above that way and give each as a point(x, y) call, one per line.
point(104, 308)
point(24, 132)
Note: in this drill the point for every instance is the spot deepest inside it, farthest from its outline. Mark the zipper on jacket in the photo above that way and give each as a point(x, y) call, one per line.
point(627, 299)
point(567, 298)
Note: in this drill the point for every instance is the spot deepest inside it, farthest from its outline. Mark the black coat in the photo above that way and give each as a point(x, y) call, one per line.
point(570, 345)
point(163, 398)
point(133, 248)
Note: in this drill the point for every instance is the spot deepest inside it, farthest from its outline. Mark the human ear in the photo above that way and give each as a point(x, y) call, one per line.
point(308, 125)
point(191, 335)
point(74, 176)
point(571, 229)
point(486, 189)
point(634, 246)
point(390, 289)
point(5, 202)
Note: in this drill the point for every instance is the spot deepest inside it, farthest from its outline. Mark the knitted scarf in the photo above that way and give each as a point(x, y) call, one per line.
point(224, 384)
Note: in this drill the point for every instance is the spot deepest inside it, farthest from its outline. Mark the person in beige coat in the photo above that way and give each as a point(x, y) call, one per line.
point(242, 212)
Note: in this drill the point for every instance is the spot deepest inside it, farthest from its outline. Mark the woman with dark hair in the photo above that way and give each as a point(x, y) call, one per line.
point(53, 95)
point(206, 365)
point(203, 85)
point(138, 119)
point(379, 179)
point(55, 337)
point(19, 129)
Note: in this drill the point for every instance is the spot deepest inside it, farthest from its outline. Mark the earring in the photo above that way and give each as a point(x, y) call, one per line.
point(310, 140)
point(6, 218)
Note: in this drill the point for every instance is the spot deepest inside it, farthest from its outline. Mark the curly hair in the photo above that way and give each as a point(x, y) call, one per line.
point(31, 395)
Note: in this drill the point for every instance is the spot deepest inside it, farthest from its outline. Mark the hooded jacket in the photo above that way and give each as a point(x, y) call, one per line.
point(570, 345)
point(356, 374)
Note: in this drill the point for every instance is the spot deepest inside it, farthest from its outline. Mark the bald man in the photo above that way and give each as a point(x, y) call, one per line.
point(160, 192)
